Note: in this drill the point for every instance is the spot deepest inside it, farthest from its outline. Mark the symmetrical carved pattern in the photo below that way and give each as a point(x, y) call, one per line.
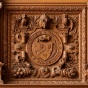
point(45, 46)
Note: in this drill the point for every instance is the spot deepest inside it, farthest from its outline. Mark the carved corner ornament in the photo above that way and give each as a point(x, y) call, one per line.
point(45, 44)
point(1, 81)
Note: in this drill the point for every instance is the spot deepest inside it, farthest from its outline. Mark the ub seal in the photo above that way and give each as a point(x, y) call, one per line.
point(44, 48)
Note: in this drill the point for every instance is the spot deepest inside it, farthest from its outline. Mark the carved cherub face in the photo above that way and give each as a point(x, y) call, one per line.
point(43, 21)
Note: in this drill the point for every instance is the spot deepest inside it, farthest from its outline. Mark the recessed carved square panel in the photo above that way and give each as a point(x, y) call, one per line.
point(45, 44)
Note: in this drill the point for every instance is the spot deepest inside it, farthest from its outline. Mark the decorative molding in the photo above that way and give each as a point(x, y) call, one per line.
point(87, 44)
point(56, 8)
point(84, 41)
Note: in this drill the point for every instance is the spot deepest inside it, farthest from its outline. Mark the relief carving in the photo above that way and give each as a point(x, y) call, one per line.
point(67, 22)
point(22, 21)
point(43, 21)
point(44, 38)
point(66, 26)
point(50, 51)
point(21, 67)
point(44, 72)
point(67, 72)
point(74, 44)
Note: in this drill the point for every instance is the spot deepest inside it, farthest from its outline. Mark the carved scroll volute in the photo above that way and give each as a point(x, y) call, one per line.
point(1, 64)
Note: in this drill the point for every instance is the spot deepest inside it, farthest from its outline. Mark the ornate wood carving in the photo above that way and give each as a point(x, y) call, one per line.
point(45, 44)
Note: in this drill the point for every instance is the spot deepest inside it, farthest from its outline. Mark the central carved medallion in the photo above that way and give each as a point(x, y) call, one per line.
point(46, 47)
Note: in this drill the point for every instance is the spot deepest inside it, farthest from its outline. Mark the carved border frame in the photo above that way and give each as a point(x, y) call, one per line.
point(81, 10)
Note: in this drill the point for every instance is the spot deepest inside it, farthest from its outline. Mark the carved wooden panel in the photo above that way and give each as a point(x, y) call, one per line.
point(44, 45)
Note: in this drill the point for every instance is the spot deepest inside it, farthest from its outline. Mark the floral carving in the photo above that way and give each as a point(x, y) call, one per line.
point(67, 72)
point(68, 31)
point(21, 67)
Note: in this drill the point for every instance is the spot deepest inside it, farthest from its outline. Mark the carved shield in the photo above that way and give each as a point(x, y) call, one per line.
point(43, 50)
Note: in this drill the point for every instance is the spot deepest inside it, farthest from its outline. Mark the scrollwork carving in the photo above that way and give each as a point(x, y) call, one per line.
point(58, 63)
point(66, 72)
